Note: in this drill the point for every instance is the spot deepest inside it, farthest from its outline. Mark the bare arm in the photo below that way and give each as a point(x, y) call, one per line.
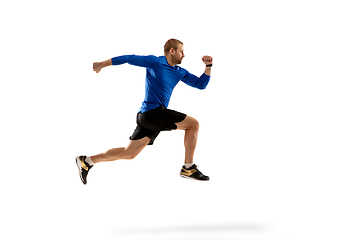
point(207, 60)
point(97, 66)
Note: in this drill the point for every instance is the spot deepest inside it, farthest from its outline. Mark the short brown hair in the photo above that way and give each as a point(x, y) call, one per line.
point(171, 43)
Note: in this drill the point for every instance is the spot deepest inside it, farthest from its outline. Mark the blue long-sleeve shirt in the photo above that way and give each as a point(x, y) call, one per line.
point(161, 78)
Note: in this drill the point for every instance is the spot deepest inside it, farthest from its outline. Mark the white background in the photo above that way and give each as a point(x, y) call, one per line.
point(279, 121)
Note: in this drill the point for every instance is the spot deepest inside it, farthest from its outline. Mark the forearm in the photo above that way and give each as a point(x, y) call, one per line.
point(106, 63)
point(136, 60)
point(207, 71)
point(208, 62)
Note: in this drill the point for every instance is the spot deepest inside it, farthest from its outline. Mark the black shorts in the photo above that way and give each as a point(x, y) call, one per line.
point(152, 122)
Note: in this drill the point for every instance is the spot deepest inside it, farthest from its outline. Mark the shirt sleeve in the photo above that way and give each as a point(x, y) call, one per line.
point(196, 82)
point(140, 61)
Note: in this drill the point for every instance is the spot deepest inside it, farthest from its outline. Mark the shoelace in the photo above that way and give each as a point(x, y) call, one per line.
point(197, 170)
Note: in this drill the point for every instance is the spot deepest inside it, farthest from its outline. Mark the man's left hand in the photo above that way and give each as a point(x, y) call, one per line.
point(207, 60)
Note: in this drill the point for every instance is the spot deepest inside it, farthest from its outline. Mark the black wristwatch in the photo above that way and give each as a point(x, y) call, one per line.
point(210, 65)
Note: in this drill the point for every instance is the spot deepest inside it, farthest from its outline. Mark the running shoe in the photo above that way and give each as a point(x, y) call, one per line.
point(83, 167)
point(193, 173)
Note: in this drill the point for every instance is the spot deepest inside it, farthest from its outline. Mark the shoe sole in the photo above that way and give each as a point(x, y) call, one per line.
point(192, 178)
point(78, 164)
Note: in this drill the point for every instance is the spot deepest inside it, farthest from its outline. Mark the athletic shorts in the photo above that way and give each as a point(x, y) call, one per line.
point(152, 122)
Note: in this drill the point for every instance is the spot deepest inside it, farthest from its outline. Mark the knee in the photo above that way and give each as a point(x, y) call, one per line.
point(129, 156)
point(189, 123)
point(195, 125)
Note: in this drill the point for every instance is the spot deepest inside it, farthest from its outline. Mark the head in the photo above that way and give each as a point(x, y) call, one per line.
point(174, 51)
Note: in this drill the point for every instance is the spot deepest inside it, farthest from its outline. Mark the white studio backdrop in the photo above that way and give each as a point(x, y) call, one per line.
point(279, 120)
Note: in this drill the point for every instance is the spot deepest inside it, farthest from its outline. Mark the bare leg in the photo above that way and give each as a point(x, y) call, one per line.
point(191, 127)
point(130, 152)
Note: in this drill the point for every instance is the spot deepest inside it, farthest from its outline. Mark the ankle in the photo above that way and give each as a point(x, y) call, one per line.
point(89, 161)
point(188, 165)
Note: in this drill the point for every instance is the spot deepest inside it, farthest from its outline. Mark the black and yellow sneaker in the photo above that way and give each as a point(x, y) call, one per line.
point(83, 167)
point(193, 173)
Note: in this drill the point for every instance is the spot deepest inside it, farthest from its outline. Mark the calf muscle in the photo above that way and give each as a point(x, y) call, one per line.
point(130, 152)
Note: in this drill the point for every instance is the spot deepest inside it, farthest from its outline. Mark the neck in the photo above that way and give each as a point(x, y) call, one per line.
point(170, 61)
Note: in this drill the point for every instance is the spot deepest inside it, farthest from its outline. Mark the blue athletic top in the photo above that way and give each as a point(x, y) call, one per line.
point(161, 78)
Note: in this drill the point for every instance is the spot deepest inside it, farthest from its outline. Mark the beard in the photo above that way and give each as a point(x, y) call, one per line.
point(179, 61)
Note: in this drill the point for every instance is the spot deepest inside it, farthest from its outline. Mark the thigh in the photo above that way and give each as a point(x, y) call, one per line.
point(161, 119)
point(141, 132)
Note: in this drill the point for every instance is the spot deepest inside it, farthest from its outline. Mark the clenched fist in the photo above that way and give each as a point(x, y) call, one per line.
point(97, 66)
point(207, 60)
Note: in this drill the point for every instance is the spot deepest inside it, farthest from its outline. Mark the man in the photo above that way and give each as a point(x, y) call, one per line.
point(162, 75)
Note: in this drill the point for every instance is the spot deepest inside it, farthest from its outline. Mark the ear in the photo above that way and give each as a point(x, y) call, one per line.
point(172, 51)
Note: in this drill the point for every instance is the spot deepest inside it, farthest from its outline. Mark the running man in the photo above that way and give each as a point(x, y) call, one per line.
point(162, 75)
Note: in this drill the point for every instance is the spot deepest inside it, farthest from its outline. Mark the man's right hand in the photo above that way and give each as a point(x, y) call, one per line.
point(97, 66)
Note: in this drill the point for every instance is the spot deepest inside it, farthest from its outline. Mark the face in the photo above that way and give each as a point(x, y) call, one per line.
point(179, 54)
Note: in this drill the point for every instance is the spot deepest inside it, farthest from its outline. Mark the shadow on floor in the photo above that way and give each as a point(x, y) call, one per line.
point(206, 228)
